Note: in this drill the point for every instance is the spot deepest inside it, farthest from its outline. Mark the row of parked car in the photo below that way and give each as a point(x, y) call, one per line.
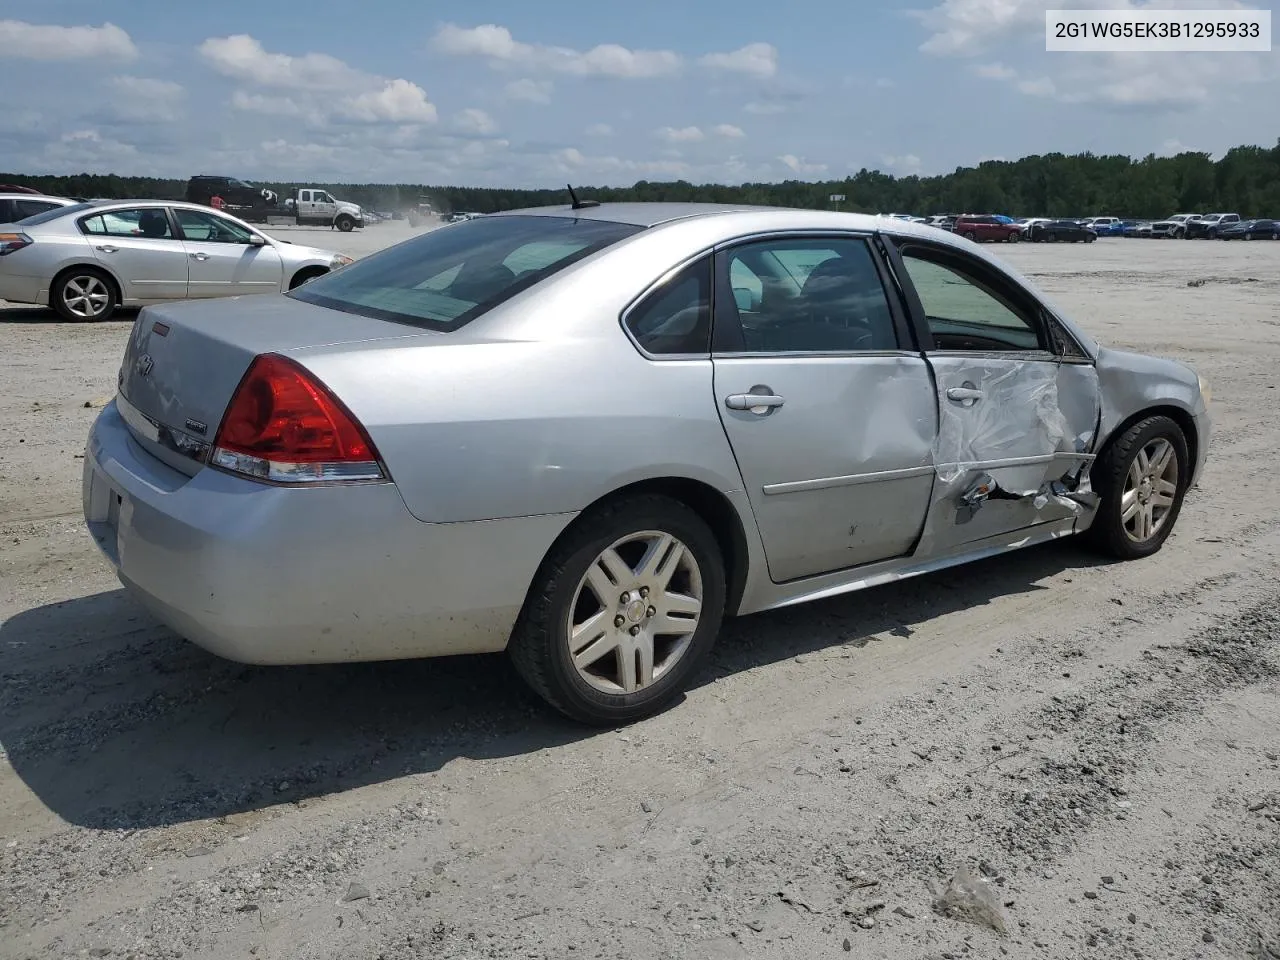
point(997, 228)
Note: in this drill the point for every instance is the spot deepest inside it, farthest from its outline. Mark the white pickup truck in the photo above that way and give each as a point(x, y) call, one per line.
point(311, 205)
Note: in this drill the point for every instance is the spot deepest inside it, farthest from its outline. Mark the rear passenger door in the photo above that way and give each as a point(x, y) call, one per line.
point(1018, 403)
point(140, 247)
point(830, 413)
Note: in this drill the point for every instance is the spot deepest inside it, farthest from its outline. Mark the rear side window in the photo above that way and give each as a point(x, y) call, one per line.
point(150, 223)
point(448, 277)
point(676, 317)
point(57, 212)
point(29, 208)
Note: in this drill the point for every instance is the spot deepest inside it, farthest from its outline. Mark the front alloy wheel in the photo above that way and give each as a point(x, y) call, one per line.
point(1150, 489)
point(1141, 480)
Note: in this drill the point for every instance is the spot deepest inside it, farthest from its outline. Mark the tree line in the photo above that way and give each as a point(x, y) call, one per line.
point(1245, 180)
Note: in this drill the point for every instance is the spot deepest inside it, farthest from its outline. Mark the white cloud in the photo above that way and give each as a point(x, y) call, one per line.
point(270, 106)
point(755, 59)
point(728, 130)
point(32, 41)
point(883, 83)
point(1040, 87)
point(477, 121)
point(144, 99)
point(1172, 147)
point(599, 130)
point(243, 58)
point(905, 165)
point(764, 109)
point(399, 101)
point(495, 43)
point(995, 71)
point(682, 134)
point(799, 166)
point(530, 91)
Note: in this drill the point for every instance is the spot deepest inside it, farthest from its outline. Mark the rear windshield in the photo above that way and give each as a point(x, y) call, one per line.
point(453, 274)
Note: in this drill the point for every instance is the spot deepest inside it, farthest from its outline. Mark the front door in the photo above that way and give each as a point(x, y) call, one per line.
point(139, 247)
point(223, 261)
point(830, 414)
point(1018, 409)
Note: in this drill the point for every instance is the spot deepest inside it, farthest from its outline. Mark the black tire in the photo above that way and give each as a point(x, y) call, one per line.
point(63, 299)
point(1108, 533)
point(1212, 235)
point(1090, 239)
point(1013, 237)
point(970, 236)
point(305, 274)
point(538, 646)
point(345, 223)
point(1248, 236)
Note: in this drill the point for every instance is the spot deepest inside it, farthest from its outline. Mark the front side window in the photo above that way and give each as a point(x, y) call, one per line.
point(150, 223)
point(211, 228)
point(965, 311)
point(676, 318)
point(448, 277)
point(819, 295)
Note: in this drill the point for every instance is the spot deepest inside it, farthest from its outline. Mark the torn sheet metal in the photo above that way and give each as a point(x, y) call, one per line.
point(1003, 436)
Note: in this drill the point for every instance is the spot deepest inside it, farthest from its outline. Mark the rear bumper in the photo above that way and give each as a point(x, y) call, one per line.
point(19, 289)
point(281, 575)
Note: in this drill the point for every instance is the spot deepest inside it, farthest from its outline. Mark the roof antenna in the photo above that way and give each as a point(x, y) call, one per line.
point(580, 204)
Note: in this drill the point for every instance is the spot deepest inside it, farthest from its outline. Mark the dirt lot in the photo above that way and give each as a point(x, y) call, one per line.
point(1102, 740)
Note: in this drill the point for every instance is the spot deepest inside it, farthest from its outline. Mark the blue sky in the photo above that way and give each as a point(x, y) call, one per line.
point(523, 94)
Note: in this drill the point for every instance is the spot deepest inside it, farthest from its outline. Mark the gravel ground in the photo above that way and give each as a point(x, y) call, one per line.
point(1041, 755)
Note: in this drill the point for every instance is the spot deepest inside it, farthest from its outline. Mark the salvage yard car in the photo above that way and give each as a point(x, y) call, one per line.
point(587, 434)
point(1061, 231)
point(1251, 230)
point(88, 259)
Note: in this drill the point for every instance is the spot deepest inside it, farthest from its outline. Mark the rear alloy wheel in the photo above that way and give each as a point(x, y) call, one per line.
point(971, 237)
point(1141, 479)
point(622, 612)
point(1013, 237)
point(84, 294)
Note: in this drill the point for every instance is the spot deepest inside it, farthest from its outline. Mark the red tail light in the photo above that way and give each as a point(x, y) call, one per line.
point(10, 242)
point(284, 425)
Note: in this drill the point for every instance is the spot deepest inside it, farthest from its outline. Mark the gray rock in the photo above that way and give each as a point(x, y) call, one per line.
point(755, 925)
point(356, 891)
point(971, 899)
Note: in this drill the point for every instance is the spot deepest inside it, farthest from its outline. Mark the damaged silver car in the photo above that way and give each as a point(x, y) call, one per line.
point(586, 434)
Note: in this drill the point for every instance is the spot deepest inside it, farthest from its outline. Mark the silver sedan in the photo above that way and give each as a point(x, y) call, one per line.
point(87, 259)
point(586, 435)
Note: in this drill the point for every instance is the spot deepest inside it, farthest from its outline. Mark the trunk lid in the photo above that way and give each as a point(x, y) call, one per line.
point(184, 361)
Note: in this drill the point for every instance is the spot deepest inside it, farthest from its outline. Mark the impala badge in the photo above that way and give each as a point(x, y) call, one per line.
point(144, 365)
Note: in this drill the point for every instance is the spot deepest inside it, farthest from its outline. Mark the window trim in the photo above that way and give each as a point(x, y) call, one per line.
point(653, 288)
point(726, 330)
point(168, 213)
point(1047, 322)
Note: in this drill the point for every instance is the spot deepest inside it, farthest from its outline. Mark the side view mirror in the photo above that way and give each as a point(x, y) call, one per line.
point(257, 241)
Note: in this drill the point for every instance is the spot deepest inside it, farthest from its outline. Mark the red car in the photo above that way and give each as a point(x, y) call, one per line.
point(983, 228)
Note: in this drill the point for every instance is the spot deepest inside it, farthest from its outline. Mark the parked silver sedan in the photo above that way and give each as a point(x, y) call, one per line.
point(585, 435)
point(87, 259)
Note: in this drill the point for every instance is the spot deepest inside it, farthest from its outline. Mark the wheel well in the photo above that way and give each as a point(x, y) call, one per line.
point(718, 514)
point(305, 274)
point(1179, 416)
point(101, 271)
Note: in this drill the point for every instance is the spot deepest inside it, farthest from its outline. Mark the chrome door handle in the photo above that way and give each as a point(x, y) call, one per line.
point(199, 256)
point(755, 402)
point(107, 248)
point(964, 394)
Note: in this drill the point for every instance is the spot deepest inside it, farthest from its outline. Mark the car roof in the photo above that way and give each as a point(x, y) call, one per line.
point(36, 196)
point(645, 214)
